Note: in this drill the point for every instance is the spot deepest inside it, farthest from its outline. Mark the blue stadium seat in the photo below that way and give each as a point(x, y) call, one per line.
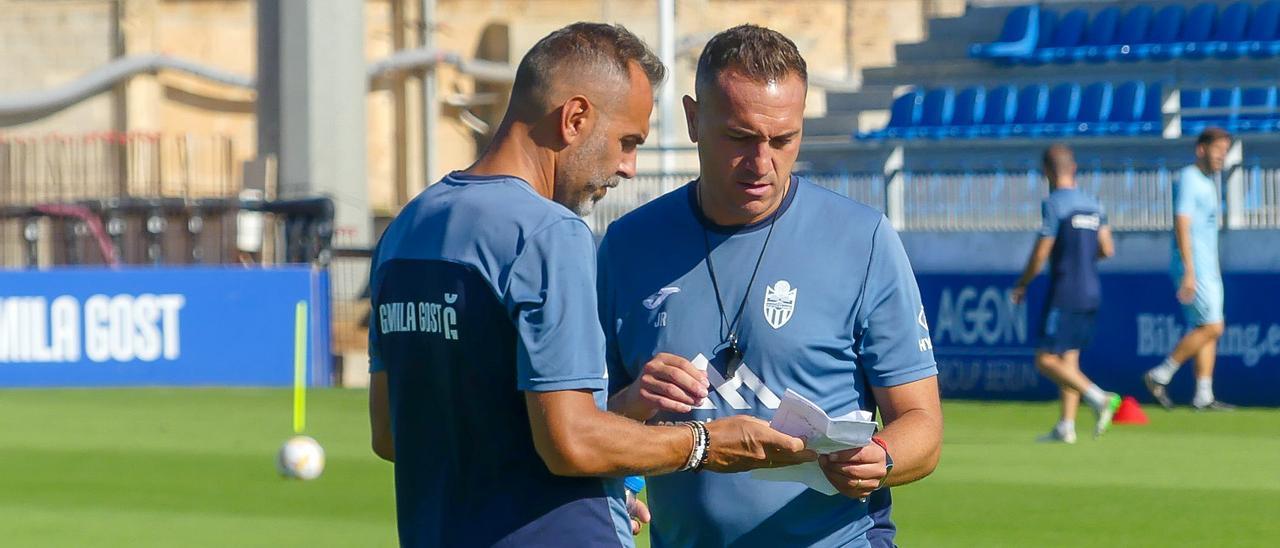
point(1128, 103)
point(1162, 38)
point(1225, 102)
point(1001, 110)
point(1230, 31)
point(903, 115)
point(1048, 22)
point(971, 107)
point(1095, 109)
point(1033, 102)
point(1100, 34)
point(1253, 100)
point(1152, 121)
point(1262, 38)
point(1131, 32)
point(1064, 108)
point(935, 114)
point(1197, 30)
point(1066, 36)
point(1017, 39)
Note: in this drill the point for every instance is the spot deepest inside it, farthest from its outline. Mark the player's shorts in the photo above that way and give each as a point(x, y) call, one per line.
point(1065, 330)
point(1207, 306)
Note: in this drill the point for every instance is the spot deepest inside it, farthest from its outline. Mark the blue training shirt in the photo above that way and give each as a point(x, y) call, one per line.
point(1073, 219)
point(482, 289)
point(1196, 196)
point(835, 308)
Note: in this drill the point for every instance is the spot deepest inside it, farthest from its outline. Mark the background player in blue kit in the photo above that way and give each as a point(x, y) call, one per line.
point(487, 359)
point(1196, 272)
point(1073, 236)
point(775, 284)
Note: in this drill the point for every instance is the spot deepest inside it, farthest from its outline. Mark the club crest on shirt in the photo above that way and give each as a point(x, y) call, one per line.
point(779, 303)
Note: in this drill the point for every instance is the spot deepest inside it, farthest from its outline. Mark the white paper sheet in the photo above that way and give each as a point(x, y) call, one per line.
point(799, 417)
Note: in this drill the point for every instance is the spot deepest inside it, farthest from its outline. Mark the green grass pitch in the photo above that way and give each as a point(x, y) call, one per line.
point(194, 467)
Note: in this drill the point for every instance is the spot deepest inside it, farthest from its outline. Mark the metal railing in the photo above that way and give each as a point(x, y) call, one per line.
point(866, 188)
point(1134, 199)
point(1261, 197)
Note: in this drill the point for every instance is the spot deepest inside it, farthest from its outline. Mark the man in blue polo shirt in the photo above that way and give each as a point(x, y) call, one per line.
point(1073, 236)
point(772, 283)
point(487, 359)
point(1196, 273)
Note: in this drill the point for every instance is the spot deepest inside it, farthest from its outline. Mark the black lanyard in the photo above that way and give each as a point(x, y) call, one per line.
point(728, 329)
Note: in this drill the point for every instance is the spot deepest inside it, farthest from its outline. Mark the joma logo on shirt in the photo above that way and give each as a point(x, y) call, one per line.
point(743, 376)
point(420, 317)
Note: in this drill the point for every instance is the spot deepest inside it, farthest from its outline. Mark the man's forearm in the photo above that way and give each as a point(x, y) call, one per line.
point(915, 443)
point(1039, 252)
point(575, 439)
point(1030, 271)
point(1182, 234)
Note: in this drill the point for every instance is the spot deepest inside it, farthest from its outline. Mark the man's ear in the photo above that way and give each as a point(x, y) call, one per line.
point(575, 118)
point(691, 117)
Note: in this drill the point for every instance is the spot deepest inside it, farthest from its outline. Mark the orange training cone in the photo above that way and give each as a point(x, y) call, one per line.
point(1129, 412)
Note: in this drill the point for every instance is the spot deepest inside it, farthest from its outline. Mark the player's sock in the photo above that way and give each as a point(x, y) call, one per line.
point(1065, 425)
point(1204, 392)
point(1164, 372)
point(1096, 397)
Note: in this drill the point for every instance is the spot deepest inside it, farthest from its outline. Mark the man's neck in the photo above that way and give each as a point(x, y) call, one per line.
point(513, 153)
point(1204, 169)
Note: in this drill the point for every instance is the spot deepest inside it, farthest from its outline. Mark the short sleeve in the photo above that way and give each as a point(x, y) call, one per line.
point(1102, 214)
point(894, 340)
point(551, 298)
point(619, 378)
point(1184, 200)
point(375, 355)
point(1048, 220)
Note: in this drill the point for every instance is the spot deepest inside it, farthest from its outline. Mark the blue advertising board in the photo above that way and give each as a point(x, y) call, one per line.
point(171, 326)
point(985, 345)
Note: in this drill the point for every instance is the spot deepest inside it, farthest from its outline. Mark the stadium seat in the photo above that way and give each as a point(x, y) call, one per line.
point(1001, 109)
point(1162, 38)
point(1017, 39)
point(1048, 22)
point(1095, 109)
point(1032, 105)
point(935, 114)
point(1257, 110)
point(1066, 37)
point(1225, 103)
point(903, 115)
point(1063, 109)
point(1262, 38)
point(1100, 34)
point(971, 105)
point(1128, 103)
point(1230, 31)
point(1131, 32)
point(1197, 31)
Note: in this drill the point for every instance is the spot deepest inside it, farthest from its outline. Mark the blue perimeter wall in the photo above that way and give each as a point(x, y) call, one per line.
point(985, 346)
point(170, 326)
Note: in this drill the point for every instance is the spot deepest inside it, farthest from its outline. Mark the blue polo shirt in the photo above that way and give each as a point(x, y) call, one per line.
point(481, 291)
point(1073, 219)
point(833, 311)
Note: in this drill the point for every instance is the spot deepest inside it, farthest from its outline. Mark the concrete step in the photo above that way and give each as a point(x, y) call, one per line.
point(855, 102)
point(831, 125)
